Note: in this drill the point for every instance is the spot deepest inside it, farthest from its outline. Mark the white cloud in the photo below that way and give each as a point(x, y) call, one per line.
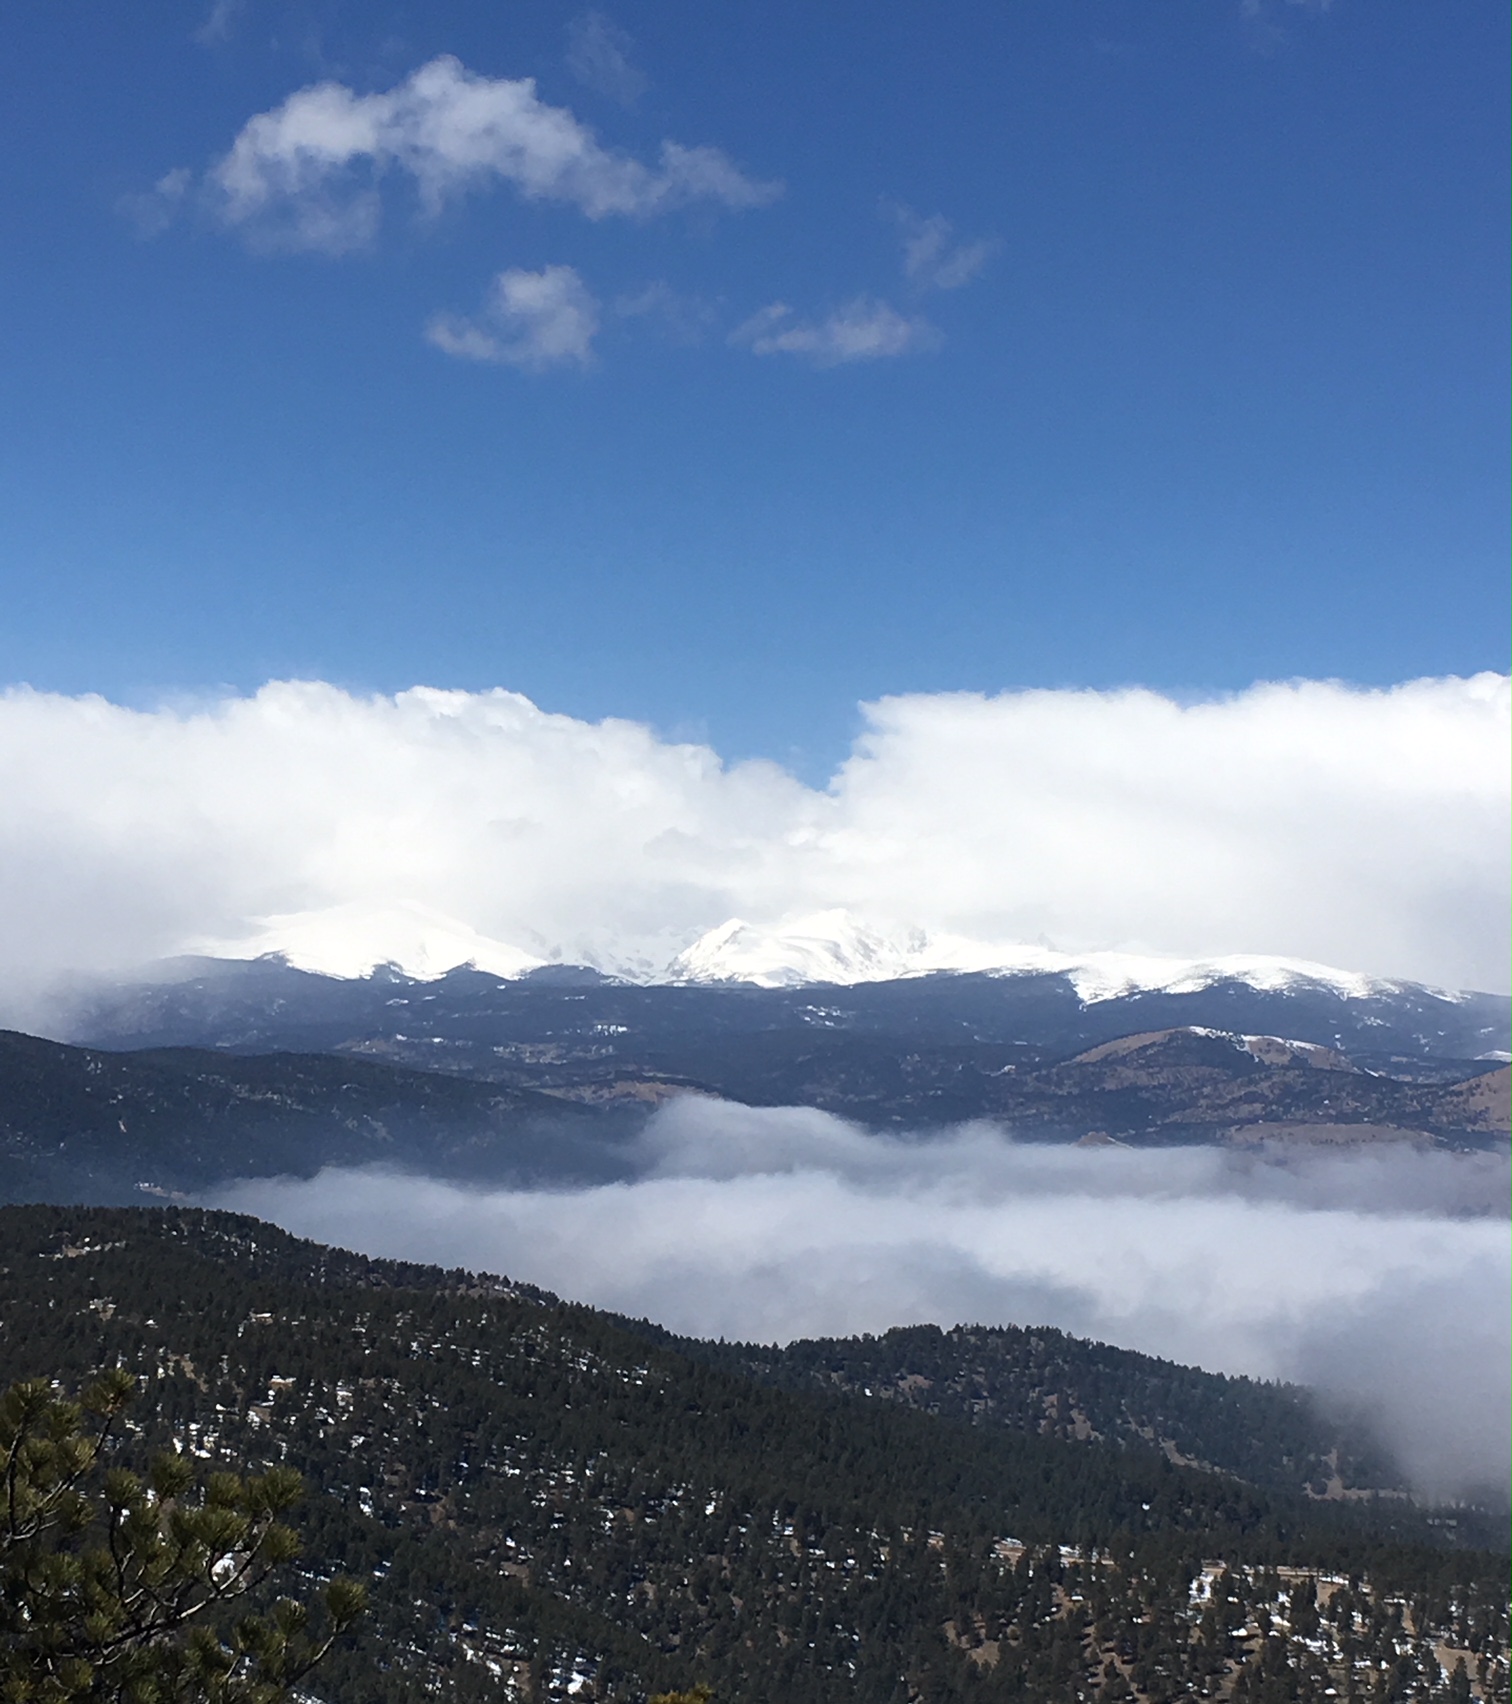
point(1367, 829)
point(598, 55)
point(863, 330)
point(303, 175)
point(536, 828)
point(767, 1224)
point(931, 261)
point(218, 22)
point(532, 319)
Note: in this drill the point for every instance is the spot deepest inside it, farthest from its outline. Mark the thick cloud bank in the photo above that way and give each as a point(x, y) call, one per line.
point(1381, 1275)
point(1367, 829)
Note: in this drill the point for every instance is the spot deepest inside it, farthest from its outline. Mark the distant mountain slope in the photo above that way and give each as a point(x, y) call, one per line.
point(919, 1052)
point(267, 1002)
point(77, 1124)
point(1198, 1084)
point(548, 1506)
point(80, 1124)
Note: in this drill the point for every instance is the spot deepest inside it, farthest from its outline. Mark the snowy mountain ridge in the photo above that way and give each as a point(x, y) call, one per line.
point(832, 946)
point(353, 940)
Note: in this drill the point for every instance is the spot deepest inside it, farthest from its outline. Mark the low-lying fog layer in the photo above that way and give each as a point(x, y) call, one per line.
point(1380, 1274)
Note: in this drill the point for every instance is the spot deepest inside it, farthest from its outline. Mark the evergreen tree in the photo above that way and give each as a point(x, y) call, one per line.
point(119, 1587)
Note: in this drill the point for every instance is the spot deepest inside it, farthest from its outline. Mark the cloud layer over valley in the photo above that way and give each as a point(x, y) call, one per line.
point(1380, 1275)
point(1366, 829)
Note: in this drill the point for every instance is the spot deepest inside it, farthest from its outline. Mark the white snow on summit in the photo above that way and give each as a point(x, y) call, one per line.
point(819, 947)
point(827, 946)
point(349, 940)
point(834, 946)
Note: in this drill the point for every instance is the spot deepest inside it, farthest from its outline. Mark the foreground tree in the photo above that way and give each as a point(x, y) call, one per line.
point(119, 1587)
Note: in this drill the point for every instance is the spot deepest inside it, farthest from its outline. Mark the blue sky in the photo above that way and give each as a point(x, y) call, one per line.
point(1175, 341)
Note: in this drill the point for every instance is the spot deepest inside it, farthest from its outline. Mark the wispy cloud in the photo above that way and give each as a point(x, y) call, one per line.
point(218, 21)
point(598, 55)
point(152, 211)
point(864, 329)
point(533, 320)
point(305, 174)
point(1263, 20)
point(869, 328)
point(682, 317)
point(932, 260)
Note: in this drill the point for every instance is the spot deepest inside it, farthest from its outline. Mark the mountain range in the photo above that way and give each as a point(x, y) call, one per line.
point(235, 1069)
point(833, 947)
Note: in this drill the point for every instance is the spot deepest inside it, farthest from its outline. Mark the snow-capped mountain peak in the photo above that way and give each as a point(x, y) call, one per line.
point(833, 946)
point(837, 947)
point(349, 940)
point(825, 946)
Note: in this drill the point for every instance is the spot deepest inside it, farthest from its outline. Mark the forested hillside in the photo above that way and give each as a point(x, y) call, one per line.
point(547, 1504)
point(1050, 1383)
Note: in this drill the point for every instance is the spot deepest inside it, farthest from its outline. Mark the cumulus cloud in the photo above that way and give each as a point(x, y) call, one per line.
point(1367, 829)
point(304, 175)
point(864, 329)
point(180, 822)
point(598, 55)
point(932, 260)
point(531, 319)
point(775, 1223)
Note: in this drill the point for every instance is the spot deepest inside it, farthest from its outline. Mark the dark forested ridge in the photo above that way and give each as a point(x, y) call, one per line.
point(79, 1124)
point(550, 1505)
point(1047, 1382)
